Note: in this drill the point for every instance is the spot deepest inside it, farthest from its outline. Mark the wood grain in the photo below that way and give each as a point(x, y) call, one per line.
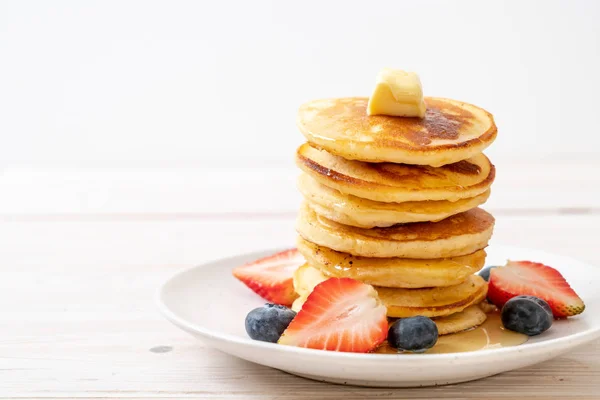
point(78, 319)
point(82, 252)
point(532, 186)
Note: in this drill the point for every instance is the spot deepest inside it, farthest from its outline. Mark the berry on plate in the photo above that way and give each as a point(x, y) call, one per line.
point(341, 314)
point(271, 277)
point(416, 334)
point(268, 322)
point(534, 279)
point(527, 314)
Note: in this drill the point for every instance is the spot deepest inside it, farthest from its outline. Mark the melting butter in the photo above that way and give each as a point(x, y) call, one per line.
point(397, 93)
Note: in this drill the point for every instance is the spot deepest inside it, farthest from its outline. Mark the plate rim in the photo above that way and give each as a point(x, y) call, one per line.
point(192, 328)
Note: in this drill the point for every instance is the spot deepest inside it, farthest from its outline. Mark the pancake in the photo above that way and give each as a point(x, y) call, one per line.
point(470, 317)
point(392, 272)
point(433, 302)
point(458, 235)
point(305, 279)
point(403, 303)
point(363, 213)
point(397, 183)
point(450, 131)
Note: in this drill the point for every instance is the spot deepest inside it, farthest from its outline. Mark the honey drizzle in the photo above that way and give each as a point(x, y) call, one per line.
point(489, 335)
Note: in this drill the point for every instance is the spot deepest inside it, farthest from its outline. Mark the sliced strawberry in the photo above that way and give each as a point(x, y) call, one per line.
point(534, 279)
point(341, 314)
point(271, 277)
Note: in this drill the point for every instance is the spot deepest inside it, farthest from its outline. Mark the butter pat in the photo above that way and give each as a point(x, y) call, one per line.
point(397, 93)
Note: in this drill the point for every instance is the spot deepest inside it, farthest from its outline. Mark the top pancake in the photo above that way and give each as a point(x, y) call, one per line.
point(451, 131)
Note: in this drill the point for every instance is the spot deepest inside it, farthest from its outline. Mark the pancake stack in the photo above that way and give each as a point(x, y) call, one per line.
point(393, 202)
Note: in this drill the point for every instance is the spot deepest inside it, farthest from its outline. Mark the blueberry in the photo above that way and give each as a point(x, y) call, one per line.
point(485, 273)
point(268, 322)
point(415, 334)
point(527, 314)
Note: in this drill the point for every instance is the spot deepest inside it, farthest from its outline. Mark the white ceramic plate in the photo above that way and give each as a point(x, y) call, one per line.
point(209, 303)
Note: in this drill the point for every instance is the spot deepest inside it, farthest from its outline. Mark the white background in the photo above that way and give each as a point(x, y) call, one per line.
point(208, 83)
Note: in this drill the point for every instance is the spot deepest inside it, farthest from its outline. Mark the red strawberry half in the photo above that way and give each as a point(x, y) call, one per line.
point(534, 279)
point(341, 314)
point(271, 277)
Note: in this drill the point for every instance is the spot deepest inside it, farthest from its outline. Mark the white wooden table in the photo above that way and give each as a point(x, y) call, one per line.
point(83, 251)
